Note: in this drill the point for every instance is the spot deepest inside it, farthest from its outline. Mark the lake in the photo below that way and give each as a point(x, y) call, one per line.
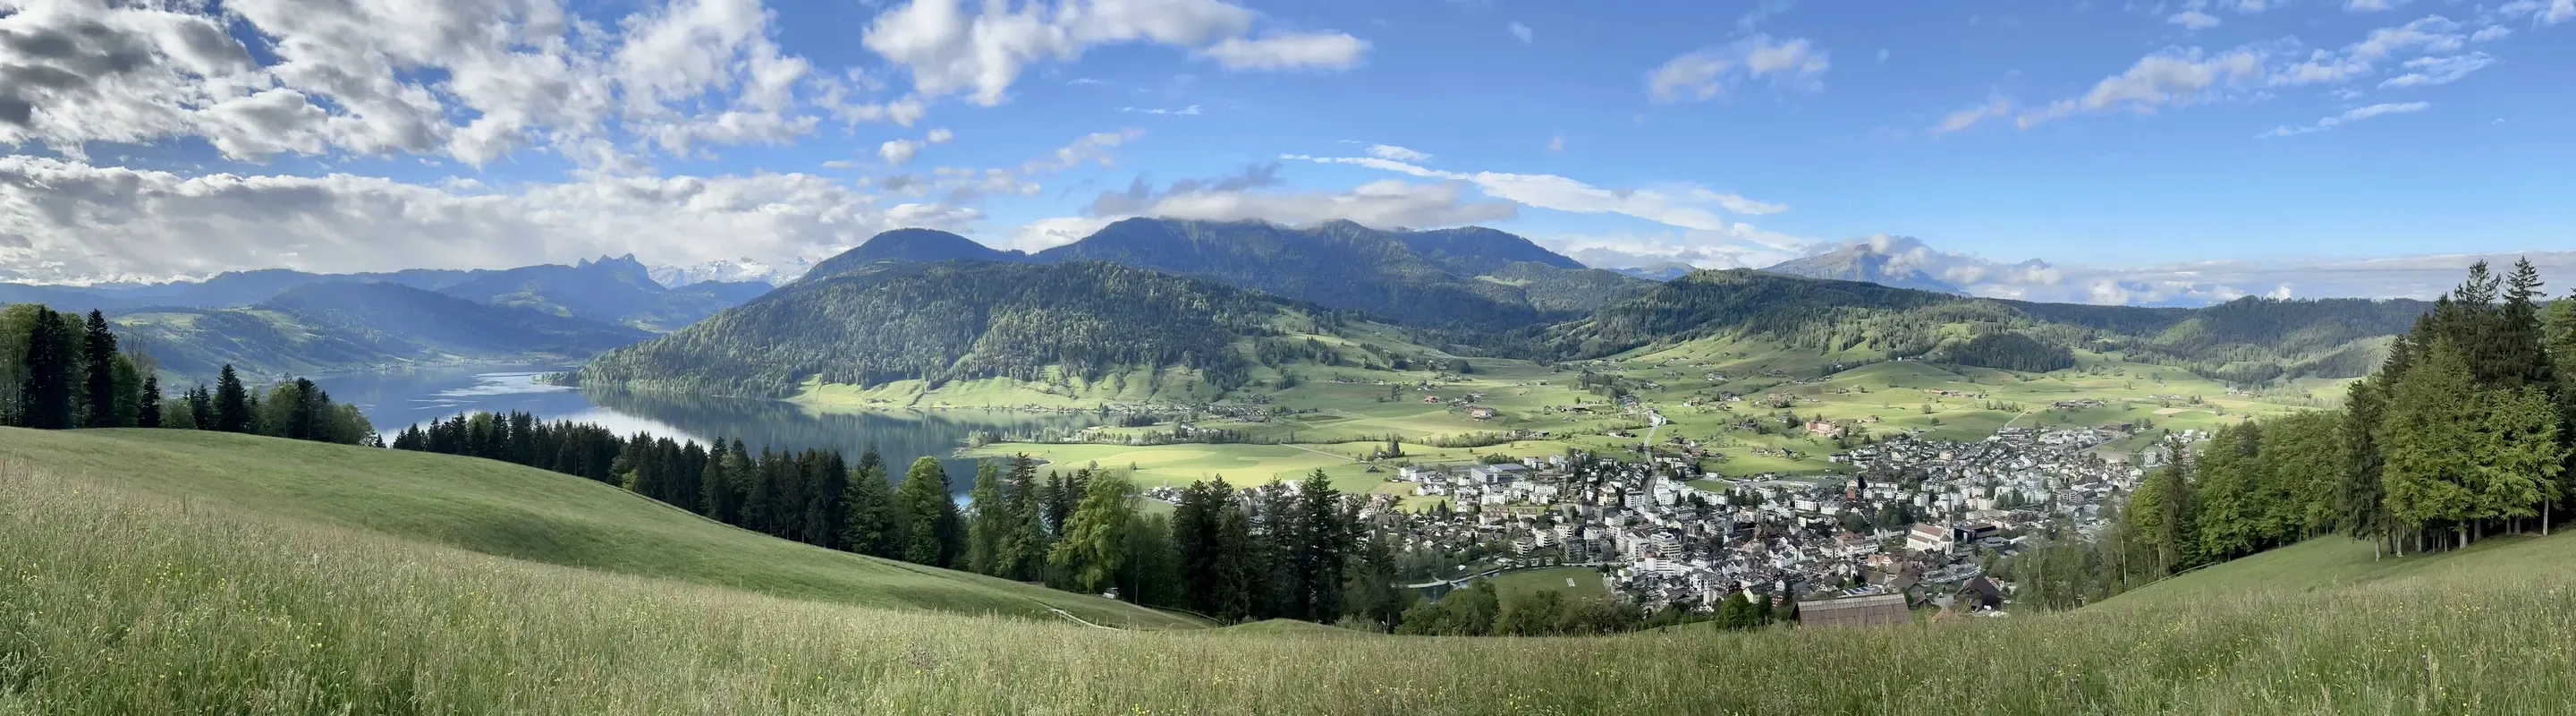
point(398, 399)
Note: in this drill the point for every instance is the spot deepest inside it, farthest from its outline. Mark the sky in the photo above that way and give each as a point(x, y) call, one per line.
point(2138, 152)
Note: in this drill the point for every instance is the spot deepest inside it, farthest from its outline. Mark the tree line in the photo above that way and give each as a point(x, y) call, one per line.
point(72, 373)
point(2462, 432)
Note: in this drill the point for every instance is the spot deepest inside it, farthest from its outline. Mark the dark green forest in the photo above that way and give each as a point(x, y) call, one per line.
point(65, 372)
point(954, 321)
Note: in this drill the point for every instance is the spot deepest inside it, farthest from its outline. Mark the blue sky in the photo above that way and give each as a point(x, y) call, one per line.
point(2090, 136)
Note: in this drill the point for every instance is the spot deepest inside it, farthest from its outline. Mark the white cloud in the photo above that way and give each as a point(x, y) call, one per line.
point(898, 151)
point(939, 136)
point(2183, 76)
point(951, 50)
point(1734, 246)
point(1706, 74)
point(2352, 115)
point(2174, 77)
point(1520, 31)
point(1963, 119)
point(2423, 71)
point(1322, 50)
point(2541, 12)
point(1684, 207)
point(2372, 5)
point(2193, 20)
point(83, 221)
point(1189, 111)
point(1390, 151)
point(470, 80)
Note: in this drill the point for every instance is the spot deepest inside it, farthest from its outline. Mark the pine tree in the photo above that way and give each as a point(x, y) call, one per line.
point(99, 351)
point(869, 502)
point(147, 404)
point(922, 508)
point(990, 522)
point(2361, 498)
point(231, 403)
point(1024, 548)
point(46, 398)
point(1324, 542)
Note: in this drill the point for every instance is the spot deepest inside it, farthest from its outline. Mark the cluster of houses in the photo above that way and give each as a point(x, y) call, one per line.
point(1906, 528)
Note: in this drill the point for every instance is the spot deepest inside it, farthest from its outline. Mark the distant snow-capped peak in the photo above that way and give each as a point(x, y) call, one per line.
point(741, 269)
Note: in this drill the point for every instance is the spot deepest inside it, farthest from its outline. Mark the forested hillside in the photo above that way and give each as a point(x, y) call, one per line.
point(955, 321)
point(344, 326)
point(2248, 340)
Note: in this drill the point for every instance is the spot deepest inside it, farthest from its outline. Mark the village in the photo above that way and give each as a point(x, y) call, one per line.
point(1916, 524)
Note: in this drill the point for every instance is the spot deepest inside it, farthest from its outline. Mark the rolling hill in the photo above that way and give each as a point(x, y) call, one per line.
point(504, 510)
point(235, 582)
point(2248, 340)
point(332, 326)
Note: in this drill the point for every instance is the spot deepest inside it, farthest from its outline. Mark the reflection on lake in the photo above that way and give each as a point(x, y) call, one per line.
point(399, 399)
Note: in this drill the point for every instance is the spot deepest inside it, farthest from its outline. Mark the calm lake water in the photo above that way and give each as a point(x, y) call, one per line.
point(396, 400)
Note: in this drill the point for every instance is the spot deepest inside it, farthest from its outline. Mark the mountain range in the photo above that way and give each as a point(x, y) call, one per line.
point(617, 290)
point(926, 305)
point(355, 325)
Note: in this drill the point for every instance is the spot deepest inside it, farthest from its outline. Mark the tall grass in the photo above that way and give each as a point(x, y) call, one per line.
point(121, 602)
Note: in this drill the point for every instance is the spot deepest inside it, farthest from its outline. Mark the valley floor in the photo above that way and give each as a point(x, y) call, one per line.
point(137, 587)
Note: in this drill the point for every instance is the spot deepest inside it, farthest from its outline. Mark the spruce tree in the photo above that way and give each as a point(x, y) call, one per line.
point(869, 502)
point(231, 403)
point(98, 348)
point(922, 510)
point(147, 404)
point(989, 523)
point(1326, 545)
point(46, 394)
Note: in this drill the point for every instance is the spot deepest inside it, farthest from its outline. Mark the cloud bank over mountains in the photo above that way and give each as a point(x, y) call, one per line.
point(1909, 262)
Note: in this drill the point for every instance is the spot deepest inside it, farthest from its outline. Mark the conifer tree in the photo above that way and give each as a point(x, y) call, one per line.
point(46, 398)
point(870, 505)
point(231, 403)
point(99, 353)
point(924, 514)
point(147, 403)
point(989, 523)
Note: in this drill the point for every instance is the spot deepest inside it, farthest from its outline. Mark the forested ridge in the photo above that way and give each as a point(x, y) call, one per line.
point(2248, 340)
point(954, 321)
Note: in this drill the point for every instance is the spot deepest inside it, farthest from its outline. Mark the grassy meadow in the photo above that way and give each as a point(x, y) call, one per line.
point(506, 510)
point(1332, 415)
point(120, 595)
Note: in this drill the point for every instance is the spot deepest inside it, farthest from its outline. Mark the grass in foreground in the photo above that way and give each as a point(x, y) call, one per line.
point(115, 599)
point(524, 513)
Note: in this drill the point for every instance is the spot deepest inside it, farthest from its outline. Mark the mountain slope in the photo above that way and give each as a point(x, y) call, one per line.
point(347, 325)
point(1478, 251)
point(952, 321)
point(610, 290)
point(2248, 340)
point(910, 246)
point(1889, 261)
point(1338, 264)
